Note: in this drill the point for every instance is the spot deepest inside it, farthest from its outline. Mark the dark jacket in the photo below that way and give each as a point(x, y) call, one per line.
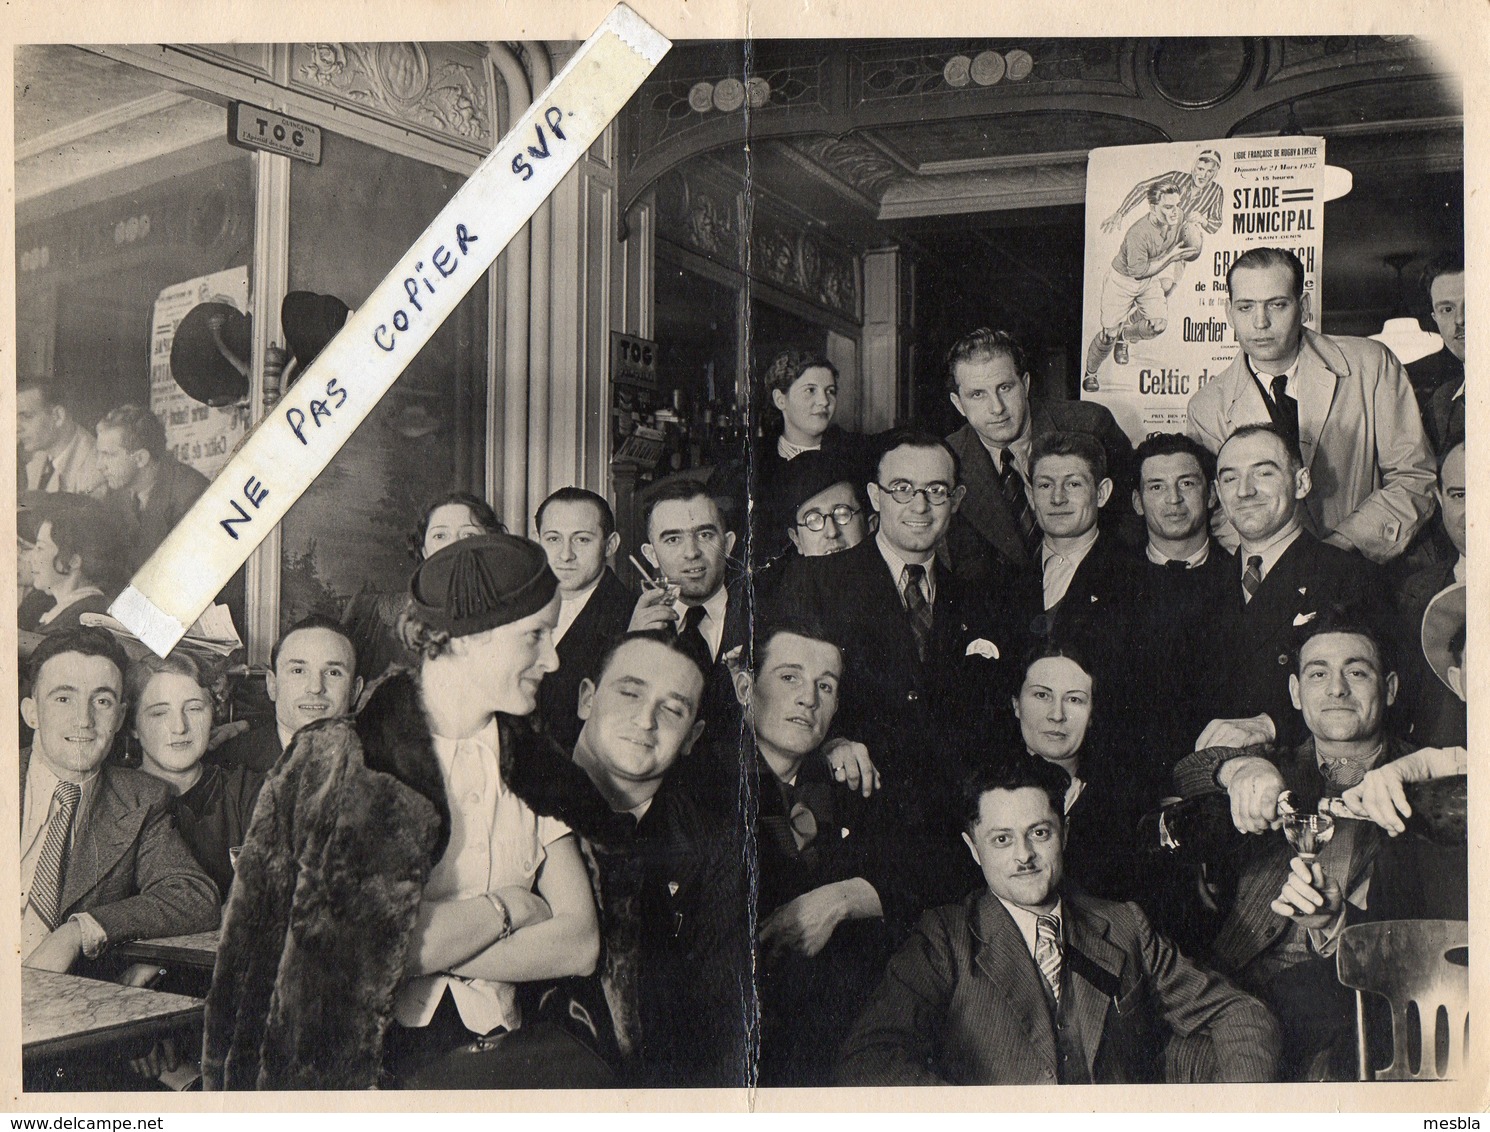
point(257, 749)
point(1261, 861)
point(603, 620)
point(913, 714)
point(984, 528)
point(177, 487)
point(1179, 617)
point(214, 816)
point(674, 925)
point(1310, 576)
point(963, 1003)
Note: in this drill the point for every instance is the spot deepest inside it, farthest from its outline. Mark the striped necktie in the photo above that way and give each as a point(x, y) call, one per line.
point(51, 866)
point(1048, 952)
point(1252, 578)
point(1012, 485)
point(917, 606)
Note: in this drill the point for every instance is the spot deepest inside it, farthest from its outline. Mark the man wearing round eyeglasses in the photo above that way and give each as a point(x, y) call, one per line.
point(921, 650)
point(820, 509)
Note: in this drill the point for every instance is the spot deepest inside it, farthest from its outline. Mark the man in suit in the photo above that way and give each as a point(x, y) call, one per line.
point(988, 380)
point(827, 859)
point(577, 530)
point(924, 652)
point(1030, 981)
point(144, 480)
point(673, 906)
point(1186, 589)
point(101, 861)
point(58, 453)
point(312, 675)
point(688, 544)
point(1437, 716)
point(1438, 379)
point(1346, 402)
point(1284, 578)
point(1280, 932)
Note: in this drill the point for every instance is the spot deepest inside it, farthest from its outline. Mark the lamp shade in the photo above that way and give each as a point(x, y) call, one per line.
point(1406, 338)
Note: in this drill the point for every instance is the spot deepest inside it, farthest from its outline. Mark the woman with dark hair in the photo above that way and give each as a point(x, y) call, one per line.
point(371, 618)
point(803, 388)
point(80, 559)
point(1054, 709)
point(173, 701)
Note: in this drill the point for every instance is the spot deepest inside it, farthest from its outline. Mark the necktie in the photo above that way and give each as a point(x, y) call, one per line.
point(48, 470)
point(1176, 565)
point(691, 634)
point(1048, 952)
point(51, 866)
point(1252, 578)
point(918, 607)
point(1012, 484)
point(1285, 408)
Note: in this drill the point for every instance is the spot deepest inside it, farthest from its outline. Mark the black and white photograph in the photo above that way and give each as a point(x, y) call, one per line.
point(901, 554)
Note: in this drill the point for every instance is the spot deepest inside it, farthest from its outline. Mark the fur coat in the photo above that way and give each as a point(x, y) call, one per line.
point(316, 931)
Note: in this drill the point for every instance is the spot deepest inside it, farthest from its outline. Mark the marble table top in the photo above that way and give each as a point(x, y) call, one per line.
point(199, 950)
point(62, 1013)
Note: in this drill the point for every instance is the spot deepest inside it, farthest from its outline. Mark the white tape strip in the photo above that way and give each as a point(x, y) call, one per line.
point(294, 443)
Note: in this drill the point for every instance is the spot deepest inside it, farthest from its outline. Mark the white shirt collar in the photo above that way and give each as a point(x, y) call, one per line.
point(897, 565)
point(1273, 549)
point(1025, 920)
point(712, 626)
point(1077, 554)
point(789, 451)
point(1018, 447)
point(572, 605)
point(1194, 561)
point(73, 598)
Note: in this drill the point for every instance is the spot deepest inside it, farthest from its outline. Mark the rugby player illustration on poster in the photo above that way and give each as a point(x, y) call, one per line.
point(1164, 223)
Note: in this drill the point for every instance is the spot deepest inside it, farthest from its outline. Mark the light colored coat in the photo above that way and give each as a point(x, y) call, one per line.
point(1360, 435)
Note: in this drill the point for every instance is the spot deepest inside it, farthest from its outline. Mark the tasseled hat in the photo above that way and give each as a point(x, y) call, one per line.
point(480, 583)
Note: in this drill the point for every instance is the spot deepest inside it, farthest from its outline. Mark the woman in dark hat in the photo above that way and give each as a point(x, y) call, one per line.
point(395, 883)
point(371, 617)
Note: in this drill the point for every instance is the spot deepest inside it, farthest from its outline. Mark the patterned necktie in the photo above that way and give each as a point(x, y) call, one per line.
point(1012, 484)
point(1252, 579)
point(1285, 408)
point(51, 866)
point(690, 633)
point(918, 607)
point(1048, 952)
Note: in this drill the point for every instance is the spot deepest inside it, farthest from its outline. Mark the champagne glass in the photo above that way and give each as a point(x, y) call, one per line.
point(1308, 833)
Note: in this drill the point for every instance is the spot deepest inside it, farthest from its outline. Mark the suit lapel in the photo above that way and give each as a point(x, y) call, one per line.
point(984, 505)
point(1093, 966)
point(1278, 601)
point(109, 826)
point(1004, 957)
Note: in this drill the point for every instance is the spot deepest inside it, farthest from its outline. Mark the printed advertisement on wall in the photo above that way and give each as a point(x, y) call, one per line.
point(195, 433)
point(1163, 224)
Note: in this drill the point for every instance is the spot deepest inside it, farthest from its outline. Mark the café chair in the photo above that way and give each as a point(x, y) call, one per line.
point(1421, 968)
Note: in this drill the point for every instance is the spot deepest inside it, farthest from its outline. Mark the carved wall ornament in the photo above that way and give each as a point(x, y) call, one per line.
point(429, 86)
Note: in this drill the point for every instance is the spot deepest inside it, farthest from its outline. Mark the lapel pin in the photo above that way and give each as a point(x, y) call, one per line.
point(672, 888)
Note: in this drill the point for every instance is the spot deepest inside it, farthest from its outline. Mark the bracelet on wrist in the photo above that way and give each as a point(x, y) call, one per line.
point(504, 914)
